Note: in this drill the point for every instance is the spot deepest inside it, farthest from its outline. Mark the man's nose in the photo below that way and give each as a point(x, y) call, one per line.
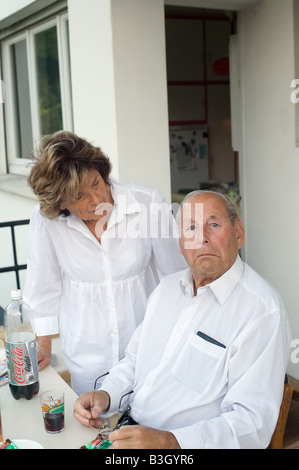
point(200, 238)
point(205, 236)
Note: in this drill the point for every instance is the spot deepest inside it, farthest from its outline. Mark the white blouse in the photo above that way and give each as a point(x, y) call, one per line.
point(93, 293)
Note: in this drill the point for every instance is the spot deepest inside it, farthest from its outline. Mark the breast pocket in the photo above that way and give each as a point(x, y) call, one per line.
point(201, 366)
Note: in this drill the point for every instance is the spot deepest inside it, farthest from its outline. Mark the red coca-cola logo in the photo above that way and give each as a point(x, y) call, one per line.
point(16, 355)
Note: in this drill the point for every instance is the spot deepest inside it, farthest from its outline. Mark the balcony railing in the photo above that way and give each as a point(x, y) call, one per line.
point(16, 267)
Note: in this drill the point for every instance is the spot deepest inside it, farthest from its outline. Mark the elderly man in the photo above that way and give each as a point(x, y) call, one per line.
point(207, 364)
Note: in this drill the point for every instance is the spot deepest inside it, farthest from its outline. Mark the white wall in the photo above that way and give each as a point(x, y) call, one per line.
point(12, 11)
point(119, 85)
point(92, 71)
point(13, 207)
point(141, 92)
point(269, 160)
point(9, 8)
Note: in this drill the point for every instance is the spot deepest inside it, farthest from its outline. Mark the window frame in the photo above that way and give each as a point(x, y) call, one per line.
point(16, 164)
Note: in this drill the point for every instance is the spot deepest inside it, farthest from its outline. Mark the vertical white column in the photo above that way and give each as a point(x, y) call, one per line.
point(141, 92)
point(120, 85)
point(92, 72)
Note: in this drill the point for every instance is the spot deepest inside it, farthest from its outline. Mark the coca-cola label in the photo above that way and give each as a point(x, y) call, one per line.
point(22, 362)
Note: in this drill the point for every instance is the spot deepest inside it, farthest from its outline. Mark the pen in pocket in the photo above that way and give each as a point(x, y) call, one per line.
point(209, 339)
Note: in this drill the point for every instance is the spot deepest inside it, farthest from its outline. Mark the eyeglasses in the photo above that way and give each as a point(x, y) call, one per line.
point(95, 389)
point(123, 419)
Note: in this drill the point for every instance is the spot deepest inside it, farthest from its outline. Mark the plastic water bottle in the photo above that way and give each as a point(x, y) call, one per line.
point(21, 348)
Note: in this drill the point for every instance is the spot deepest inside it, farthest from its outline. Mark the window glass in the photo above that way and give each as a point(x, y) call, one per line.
point(36, 74)
point(21, 99)
point(69, 68)
point(48, 81)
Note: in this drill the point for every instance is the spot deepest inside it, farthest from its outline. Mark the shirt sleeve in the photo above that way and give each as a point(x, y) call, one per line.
point(122, 376)
point(42, 289)
point(251, 405)
point(165, 238)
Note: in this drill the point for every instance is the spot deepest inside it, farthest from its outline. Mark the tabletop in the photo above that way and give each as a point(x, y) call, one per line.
point(22, 419)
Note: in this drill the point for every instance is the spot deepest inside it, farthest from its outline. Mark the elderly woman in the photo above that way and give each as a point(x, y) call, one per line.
point(95, 254)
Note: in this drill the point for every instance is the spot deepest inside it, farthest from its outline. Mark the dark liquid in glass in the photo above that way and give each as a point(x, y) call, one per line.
point(54, 422)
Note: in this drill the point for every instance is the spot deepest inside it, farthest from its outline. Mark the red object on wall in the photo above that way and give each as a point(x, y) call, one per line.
point(221, 66)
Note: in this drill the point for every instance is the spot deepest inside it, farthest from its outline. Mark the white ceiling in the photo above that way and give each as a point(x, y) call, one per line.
point(234, 5)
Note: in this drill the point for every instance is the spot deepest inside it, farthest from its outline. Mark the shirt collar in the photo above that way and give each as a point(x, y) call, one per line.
point(224, 285)
point(186, 282)
point(221, 287)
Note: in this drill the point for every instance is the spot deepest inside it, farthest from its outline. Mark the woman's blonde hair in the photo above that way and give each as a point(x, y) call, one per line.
point(60, 166)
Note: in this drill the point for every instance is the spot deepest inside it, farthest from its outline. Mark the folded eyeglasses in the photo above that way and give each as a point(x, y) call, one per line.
point(122, 419)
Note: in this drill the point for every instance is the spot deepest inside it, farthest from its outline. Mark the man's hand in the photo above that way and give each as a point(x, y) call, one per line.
point(44, 356)
point(89, 406)
point(142, 437)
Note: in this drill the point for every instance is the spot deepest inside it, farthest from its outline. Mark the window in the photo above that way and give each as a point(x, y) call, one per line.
point(36, 74)
point(194, 42)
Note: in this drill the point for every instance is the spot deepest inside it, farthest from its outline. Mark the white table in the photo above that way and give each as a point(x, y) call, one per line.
point(22, 419)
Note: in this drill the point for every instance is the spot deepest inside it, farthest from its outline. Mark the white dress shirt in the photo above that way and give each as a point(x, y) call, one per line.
point(97, 292)
point(224, 395)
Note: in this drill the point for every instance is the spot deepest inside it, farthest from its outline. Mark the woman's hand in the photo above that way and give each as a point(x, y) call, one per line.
point(44, 356)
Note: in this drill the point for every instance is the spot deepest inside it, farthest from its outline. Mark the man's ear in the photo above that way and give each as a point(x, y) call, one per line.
point(180, 245)
point(240, 232)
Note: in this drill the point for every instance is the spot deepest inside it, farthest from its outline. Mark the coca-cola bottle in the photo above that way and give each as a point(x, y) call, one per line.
point(21, 350)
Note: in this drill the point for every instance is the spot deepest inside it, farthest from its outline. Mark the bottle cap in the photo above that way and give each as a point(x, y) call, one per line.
point(16, 294)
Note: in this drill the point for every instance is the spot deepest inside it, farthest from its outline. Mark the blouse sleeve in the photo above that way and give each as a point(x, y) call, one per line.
point(43, 284)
